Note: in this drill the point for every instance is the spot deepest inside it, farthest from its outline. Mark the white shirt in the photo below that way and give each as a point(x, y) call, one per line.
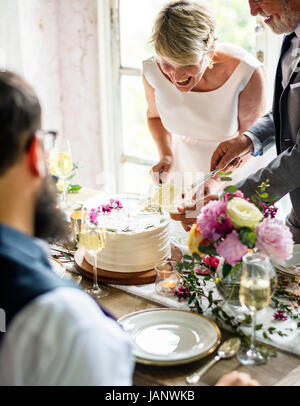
point(291, 58)
point(63, 338)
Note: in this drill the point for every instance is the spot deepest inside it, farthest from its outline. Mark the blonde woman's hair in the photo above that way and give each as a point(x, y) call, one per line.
point(184, 31)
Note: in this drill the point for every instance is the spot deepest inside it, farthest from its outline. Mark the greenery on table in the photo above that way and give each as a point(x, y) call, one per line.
point(201, 298)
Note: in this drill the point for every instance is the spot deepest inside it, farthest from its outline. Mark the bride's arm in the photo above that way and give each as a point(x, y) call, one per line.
point(161, 136)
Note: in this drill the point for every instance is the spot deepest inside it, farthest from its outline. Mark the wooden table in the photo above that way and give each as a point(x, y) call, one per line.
point(281, 370)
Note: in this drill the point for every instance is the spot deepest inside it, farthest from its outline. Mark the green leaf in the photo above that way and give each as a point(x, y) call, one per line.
point(258, 327)
point(187, 257)
point(74, 188)
point(66, 256)
point(226, 179)
point(236, 268)
point(248, 319)
point(226, 269)
point(248, 237)
point(197, 256)
point(210, 250)
point(179, 266)
point(111, 230)
point(231, 189)
point(222, 173)
point(264, 195)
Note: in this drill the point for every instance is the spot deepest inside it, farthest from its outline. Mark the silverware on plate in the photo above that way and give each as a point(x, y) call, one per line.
point(227, 350)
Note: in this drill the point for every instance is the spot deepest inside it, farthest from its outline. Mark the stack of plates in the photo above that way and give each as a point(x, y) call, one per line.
point(170, 336)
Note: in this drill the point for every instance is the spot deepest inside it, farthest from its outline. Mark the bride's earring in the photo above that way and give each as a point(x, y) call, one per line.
point(211, 61)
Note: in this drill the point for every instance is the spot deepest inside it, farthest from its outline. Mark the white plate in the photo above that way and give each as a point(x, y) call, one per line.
point(170, 336)
point(57, 267)
point(290, 262)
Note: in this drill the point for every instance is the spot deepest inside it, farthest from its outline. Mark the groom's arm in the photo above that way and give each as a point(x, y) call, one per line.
point(283, 173)
point(257, 140)
point(262, 134)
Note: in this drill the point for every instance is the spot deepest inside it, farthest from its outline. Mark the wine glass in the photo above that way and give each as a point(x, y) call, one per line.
point(93, 240)
point(254, 294)
point(61, 165)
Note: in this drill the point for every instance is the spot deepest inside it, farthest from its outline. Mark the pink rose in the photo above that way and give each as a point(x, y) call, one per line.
point(232, 249)
point(274, 239)
point(212, 262)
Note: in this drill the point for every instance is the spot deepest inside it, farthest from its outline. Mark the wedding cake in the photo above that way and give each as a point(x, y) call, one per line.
point(135, 240)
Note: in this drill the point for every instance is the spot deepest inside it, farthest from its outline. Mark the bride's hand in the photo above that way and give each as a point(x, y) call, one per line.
point(161, 170)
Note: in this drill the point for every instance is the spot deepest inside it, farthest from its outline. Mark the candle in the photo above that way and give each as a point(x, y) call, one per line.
point(166, 278)
point(168, 284)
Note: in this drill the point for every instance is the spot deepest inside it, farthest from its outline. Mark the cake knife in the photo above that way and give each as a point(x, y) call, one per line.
point(201, 181)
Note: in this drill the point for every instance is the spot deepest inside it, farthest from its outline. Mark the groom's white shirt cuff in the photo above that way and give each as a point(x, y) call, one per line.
point(257, 145)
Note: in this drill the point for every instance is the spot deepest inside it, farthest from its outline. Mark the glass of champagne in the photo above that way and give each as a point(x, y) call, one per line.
point(62, 165)
point(93, 240)
point(254, 294)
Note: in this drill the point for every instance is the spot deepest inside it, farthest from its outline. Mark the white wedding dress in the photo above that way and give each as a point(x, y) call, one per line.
point(199, 121)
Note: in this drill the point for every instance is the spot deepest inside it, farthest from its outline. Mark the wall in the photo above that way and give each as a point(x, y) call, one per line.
point(53, 43)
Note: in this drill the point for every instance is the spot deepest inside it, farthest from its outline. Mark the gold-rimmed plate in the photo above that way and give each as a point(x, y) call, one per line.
point(288, 268)
point(170, 336)
point(58, 267)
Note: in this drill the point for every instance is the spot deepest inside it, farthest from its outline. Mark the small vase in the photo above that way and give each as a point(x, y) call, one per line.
point(229, 286)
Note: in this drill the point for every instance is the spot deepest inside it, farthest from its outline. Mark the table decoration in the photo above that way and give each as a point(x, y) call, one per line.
point(226, 230)
point(167, 279)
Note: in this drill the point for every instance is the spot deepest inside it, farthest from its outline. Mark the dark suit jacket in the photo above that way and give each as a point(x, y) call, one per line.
point(281, 126)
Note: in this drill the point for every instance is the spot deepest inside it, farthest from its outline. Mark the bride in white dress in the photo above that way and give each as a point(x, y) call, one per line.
point(199, 94)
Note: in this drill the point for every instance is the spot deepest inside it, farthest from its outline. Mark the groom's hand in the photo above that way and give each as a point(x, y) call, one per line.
point(229, 153)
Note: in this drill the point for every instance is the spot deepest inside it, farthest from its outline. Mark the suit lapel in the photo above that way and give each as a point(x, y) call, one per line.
point(278, 87)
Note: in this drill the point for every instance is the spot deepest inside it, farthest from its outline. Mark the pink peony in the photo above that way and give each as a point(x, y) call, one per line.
point(207, 220)
point(274, 239)
point(232, 249)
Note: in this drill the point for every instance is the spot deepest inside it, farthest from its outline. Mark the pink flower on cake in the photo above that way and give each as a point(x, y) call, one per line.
point(207, 221)
point(232, 249)
point(274, 239)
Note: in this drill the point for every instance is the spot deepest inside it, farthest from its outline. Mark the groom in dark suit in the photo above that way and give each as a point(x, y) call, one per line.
point(282, 124)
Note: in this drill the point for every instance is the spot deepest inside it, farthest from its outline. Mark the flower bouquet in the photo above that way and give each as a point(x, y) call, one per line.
point(229, 228)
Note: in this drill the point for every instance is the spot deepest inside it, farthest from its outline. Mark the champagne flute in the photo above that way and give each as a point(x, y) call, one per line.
point(62, 165)
point(93, 240)
point(254, 294)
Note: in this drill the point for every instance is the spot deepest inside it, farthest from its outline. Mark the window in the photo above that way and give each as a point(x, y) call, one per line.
point(129, 143)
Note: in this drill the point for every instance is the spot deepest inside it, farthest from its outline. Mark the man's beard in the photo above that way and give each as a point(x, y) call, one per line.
point(290, 21)
point(49, 221)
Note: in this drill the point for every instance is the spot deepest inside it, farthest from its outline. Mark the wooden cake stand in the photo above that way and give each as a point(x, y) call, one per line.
point(119, 278)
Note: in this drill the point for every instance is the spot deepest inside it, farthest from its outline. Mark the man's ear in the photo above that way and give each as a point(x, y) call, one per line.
point(35, 159)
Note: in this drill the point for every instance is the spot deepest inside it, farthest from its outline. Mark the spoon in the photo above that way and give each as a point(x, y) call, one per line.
point(227, 350)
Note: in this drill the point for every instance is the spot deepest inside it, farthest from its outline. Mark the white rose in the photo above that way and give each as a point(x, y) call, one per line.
point(243, 213)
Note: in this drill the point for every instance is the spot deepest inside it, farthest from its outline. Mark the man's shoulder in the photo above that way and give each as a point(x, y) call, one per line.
point(61, 316)
point(67, 331)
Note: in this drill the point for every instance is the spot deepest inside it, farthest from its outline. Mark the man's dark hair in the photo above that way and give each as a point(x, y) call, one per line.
point(20, 117)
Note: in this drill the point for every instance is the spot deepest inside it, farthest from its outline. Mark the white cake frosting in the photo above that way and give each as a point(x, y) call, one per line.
point(135, 242)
